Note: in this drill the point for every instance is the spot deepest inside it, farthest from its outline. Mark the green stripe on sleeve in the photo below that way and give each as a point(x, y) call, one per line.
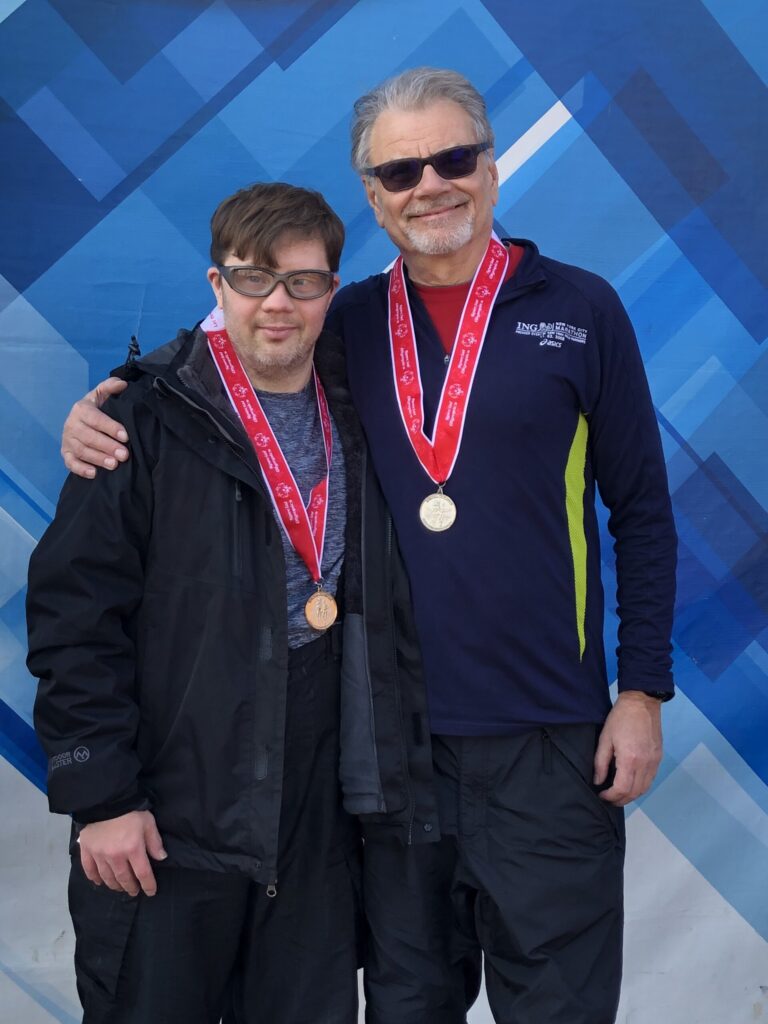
point(574, 508)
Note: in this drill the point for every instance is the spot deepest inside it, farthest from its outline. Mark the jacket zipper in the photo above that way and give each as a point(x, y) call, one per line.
point(162, 385)
point(237, 569)
point(403, 743)
point(364, 576)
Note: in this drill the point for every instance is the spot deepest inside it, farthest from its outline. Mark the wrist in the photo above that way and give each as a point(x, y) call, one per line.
point(650, 698)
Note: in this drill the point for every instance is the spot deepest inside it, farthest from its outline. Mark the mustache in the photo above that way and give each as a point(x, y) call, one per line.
point(418, 208)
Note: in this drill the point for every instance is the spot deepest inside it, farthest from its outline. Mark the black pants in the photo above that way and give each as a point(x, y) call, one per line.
point(528, 872)
point(212, 944)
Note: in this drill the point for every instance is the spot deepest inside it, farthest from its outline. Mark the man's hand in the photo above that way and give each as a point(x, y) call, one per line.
point(89, 436)
point(115, 852)
point(631, 735)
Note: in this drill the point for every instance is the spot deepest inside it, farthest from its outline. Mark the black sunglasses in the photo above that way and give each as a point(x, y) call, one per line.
point(456, 162)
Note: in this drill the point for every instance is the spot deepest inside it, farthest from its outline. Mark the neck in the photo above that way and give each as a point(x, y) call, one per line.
point(450, 268)
point(280, 383)
point(282, 380)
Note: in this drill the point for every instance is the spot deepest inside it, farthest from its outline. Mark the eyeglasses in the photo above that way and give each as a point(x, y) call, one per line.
point(257, 282)
point(457, 162)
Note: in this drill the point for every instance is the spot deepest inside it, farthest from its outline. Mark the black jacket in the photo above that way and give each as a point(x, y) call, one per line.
point(158, 630)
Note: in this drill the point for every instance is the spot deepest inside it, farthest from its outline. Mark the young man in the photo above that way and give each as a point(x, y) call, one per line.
point(183, 617)
point(497, 390)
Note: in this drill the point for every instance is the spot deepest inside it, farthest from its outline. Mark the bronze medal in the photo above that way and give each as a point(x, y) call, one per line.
point(320, 610)
point(437, 512)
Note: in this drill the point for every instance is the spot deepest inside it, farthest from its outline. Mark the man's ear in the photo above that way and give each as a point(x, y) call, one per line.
point(373, 199)
point(332, 292)
point(494, 172)
point(214, 279)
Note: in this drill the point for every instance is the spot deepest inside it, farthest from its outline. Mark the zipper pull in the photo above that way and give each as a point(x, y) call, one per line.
point(272, 889)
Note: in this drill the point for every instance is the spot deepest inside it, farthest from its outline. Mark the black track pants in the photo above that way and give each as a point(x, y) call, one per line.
point(527, 875)
point(212, 944)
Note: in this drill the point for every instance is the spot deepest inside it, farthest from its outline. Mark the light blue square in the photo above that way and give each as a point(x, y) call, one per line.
point(67, 139)
point(212, 49)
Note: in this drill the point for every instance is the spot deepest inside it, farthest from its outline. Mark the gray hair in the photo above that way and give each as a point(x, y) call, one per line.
point(414, 90)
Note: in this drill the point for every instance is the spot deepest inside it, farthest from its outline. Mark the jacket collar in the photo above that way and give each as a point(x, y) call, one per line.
point(186, 360)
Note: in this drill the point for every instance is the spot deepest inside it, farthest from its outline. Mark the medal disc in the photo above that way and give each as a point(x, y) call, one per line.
point(437, 512)
point(320, 610)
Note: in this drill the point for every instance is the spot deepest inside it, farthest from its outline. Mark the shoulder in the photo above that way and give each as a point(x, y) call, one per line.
point(142, 372)
point(358, 293)
point(592, 288)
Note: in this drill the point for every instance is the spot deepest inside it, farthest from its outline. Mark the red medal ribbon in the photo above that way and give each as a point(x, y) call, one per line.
point(305, 527)
point(438, 454)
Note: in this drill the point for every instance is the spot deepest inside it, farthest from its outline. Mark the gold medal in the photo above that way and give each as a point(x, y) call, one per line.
point(320, 610)
point(437, 512)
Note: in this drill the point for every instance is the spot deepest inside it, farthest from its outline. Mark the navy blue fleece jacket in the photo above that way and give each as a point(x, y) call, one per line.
point(509, 602)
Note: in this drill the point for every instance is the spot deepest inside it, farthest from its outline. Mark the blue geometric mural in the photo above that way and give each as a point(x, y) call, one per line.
point(631, 139)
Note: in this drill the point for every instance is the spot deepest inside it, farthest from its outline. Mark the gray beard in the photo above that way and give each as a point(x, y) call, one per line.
point(439, 243)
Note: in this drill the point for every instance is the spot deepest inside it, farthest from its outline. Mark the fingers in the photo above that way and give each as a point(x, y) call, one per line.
point(84, 460)
point(153, 842)
point(113, 852)
point(631, 735)
point(141, 871)
point(123, 874)
point(107, 875)
point(603, 756)
point(85, 419)
point(91, 439)
point(90, 869)
point(125, 877)
point(632, 779)
point(102, 391)
point(76, 467)
point(92, 446)
point(623, 789)
point(101, 871)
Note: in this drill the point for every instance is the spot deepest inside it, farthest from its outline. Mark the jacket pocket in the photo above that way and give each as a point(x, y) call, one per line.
point(358, 766)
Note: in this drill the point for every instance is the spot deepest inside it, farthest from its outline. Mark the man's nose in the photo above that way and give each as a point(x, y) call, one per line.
point(431, 182)
point(278, 298)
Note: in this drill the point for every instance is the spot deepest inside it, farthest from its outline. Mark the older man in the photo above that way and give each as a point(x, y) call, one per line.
point(497, 389)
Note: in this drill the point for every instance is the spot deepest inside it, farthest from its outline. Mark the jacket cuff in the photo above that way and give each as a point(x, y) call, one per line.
point(662, 692)
point(114, 809)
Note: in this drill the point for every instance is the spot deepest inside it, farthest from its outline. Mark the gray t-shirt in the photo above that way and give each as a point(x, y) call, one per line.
point(295, 421)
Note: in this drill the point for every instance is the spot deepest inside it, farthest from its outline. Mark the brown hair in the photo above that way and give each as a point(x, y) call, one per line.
point(254, 220)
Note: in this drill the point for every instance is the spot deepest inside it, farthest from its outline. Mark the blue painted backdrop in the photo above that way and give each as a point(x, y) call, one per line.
point(643, 157)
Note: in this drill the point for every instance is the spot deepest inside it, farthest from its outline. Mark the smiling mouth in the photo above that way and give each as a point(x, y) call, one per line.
point(438, 211)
